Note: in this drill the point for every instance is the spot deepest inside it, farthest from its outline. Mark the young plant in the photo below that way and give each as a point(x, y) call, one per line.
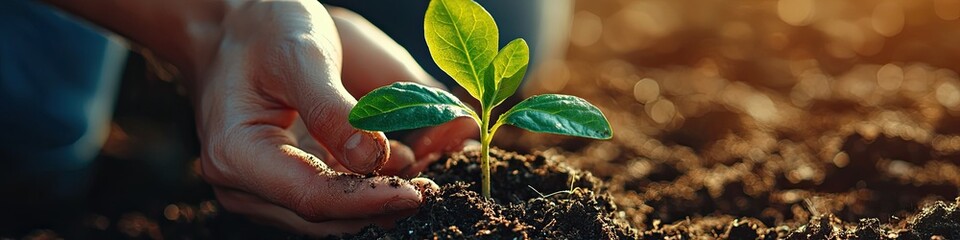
point(463, 39)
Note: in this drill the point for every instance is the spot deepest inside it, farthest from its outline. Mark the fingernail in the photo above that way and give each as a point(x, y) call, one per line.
point(397, 205)
point(363, 152)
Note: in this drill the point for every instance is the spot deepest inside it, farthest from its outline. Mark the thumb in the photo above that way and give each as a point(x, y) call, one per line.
point(326, 118)
point(312, 71)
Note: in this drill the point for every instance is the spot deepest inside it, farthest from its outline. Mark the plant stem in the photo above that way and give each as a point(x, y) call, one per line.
point(485, 138)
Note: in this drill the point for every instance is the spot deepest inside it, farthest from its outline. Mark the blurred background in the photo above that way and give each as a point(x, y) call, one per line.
point(767, 110)
point(769, 60)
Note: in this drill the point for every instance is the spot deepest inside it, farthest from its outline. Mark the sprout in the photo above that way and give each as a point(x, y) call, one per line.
point(463, 38)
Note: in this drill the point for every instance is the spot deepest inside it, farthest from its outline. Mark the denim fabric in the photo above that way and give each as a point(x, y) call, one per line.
point(58, 80)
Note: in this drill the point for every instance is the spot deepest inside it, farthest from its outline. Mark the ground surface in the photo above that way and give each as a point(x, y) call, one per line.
point(534, 197)
point(798, 119)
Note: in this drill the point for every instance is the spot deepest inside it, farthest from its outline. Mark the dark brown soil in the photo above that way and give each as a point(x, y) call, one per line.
point(590, 212)
point(718, 130)
point(534, 197)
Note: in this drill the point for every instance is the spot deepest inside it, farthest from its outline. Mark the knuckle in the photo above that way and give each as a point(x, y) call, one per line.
point(298, 43)
point(290, 47)
point(305, 61)
point(317, 116)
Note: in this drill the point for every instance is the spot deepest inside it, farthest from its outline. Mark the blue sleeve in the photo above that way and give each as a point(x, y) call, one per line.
point(58, 79)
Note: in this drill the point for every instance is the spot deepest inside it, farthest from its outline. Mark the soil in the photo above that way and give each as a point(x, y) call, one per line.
point(591, 212)
point(533, 197)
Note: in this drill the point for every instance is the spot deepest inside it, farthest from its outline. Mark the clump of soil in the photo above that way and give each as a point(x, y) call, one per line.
point(534, 196)
point(940, 220)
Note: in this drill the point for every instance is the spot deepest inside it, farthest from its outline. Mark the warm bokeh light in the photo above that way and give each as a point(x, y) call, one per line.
point(796, 12)
point(646, 90)
point(888, 18)
point(808, 88)
point(947, 9)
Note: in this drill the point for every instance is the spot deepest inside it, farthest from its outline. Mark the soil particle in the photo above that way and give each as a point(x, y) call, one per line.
point(868, 228)
point(349, 182)
point(394, 182)
point(744, 228)
point(820, 227)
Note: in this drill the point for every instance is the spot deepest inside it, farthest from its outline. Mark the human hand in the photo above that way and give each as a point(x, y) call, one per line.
point(272, 99)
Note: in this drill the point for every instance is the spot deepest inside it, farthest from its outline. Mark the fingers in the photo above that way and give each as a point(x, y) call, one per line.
point(262, 211)
point(447, 137)
point(312, 74)
point(371, 58)
point(401, 158)
point(430, 143)
point(261, 160)
point(306, 142)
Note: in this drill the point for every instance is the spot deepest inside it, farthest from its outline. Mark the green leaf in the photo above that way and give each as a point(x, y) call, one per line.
point(559, 114)
point(406, 105)
point(509, 67)
point(462, 38)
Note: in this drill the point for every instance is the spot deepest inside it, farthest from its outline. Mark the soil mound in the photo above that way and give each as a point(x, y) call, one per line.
point(534, 197)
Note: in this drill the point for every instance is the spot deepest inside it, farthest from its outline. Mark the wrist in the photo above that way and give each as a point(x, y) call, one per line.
point(184, 33)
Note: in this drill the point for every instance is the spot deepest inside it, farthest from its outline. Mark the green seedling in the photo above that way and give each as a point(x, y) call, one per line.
point(463, 38)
